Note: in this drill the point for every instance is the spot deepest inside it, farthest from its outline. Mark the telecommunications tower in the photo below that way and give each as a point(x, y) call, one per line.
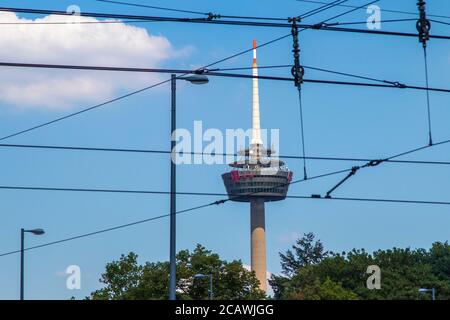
point(257, 178)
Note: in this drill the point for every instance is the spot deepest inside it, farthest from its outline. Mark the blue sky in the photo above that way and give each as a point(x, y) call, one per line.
point(340, 121)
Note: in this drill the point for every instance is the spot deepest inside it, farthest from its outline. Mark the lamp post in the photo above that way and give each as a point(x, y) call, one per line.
point(202, 276)
point(432, 290)
point(194, 79)
point(36, 232)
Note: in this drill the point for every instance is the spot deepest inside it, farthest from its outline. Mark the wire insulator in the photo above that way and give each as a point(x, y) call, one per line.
point(423, 24)
point(297, 70)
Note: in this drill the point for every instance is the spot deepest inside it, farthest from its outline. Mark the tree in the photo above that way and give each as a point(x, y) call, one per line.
point(126, 279)
point(121, 278)
point(343, 276)
point(305, 252)
point(439, 258)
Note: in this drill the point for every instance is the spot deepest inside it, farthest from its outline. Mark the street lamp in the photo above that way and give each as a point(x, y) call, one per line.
point(202, 276)
point(194, 79)
point(432, 290)
point(36, 232)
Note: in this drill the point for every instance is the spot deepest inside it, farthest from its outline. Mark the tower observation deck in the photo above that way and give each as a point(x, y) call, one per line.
point(257, 178)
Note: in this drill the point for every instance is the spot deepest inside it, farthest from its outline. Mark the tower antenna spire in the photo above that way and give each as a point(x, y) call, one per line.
point(256, 119)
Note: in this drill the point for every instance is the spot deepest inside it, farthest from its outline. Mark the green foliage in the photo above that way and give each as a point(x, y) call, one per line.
point(326, 290)
point(343, 276)
point(126, 279)
point(309, 273)
point(305, 252)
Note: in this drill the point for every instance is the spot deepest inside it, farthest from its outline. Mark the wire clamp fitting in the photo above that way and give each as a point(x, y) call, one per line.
point(320, 25)
point(201, 71)
point(213, 16)
point(423, 25)
point(396, 84)
point(373, 163)
point(399, 85)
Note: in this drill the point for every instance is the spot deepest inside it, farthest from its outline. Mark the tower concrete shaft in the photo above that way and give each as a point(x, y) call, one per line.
point(258, 240)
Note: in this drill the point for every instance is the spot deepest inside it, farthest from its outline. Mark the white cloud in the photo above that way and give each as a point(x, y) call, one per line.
point(108, 44)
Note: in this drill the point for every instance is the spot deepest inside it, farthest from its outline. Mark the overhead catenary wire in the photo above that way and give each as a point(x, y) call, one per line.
point(82, 111)
point(230, 198)
point(138, 91)
point(382, 9)
point(166, 152)
point(72, 23)
point(325, 5)
point(214, 203)
point(430, 137)
point(440, 22)
point(349, 11)
point(423, 27)
point(418, 149)
point(273, 77)
point(296, 32)
point(207, 20)
point(214, 21)
point(184, 72)
point(374, 163)
point(302, 131)
point(129, 191)
point(122, 226)
point(135, 92)
point(250, 68)
point(218, 202)
point(351, 172)
point(154, 7)
point(281, 66)
point(320, 9)
point(365, 22)
point(298, 70)
point(395, 86)
point(127, 95)
point(127, 69)
point(195, 208)
point(389, 84)
point(209, 194)
point(394, 83)
point(210, 14)
point(160, 217)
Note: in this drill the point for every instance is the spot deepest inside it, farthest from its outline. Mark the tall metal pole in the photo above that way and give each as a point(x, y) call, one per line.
point(173, 262)
point(22, 236)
